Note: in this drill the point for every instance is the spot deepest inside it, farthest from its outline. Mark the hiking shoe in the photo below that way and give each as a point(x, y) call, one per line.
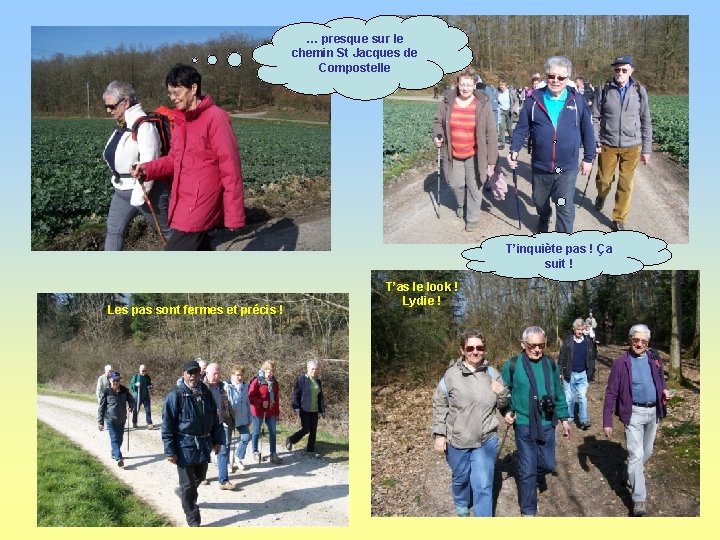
point(618, 226)
point(639, 508)
point(150, 426)
point(542, 484)
point(275, 459)
point(204, 482)
point(121, 463)
point(472, 225)
point(240, 465)
point(288, 444)
point(585, 425)
point(134, 426)
point(233, 467)
point(229, 486)
point(460, 211)
point(543, 226)
point(257, 457)
point(599, 203)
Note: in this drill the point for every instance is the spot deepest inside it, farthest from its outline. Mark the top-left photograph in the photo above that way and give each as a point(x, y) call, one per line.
point(164, 138)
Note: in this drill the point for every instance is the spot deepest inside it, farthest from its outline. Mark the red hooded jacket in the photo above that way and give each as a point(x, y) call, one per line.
point(258, 393)
point(204, 161)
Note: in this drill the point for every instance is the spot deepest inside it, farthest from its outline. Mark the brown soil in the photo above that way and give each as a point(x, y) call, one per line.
point(409, 479)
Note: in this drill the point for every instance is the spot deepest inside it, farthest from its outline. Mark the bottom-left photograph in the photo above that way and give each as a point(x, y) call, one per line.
point(192, 409)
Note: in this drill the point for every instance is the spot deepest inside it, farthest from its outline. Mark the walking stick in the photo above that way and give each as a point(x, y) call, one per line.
point(507, 428)
point(588, 181)
point(128, 428)
point(440, 139)
point(152, 211)
point(517, 200)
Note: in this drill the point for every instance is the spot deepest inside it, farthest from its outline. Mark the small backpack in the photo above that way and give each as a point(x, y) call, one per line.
point(164, 123)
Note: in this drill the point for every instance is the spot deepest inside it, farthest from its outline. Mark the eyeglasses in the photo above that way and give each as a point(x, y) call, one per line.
point(531, 346)
point(115, 106)
point(638, 341)
point(144, 371)
point(621, 70)
point(560, 78)
point(478, 348)
point(177, 93)
point(470, 85)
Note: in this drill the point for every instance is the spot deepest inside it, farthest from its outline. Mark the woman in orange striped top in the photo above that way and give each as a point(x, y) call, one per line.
point(465, 131)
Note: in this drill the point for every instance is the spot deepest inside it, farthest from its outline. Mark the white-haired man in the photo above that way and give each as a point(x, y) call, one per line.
point(636, 392)
point(103, 382)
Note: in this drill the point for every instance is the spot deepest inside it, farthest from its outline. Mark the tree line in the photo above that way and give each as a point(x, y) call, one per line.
point(416, 343)
point(73, 85)
point(514, 47)
point(78, 335)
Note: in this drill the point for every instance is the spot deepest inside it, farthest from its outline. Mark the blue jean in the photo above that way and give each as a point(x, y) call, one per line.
point(136, 409)
point(557, 186)
point(224, 456)
point(241, 448)
point(534, 459)
point(122, 212)
point(116, 439)
point(640, 438)
point(270, 422)
point(577, 386)
point(472, 477)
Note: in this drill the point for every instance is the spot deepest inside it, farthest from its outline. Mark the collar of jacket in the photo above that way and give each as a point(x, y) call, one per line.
point(205, 103)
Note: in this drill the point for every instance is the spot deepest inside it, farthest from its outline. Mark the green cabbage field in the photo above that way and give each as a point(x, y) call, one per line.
point(70, 181)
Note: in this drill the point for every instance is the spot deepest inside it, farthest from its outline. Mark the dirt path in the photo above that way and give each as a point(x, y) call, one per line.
point(409, 479)
point(302, 491)
point(659, 206)
point(306, 233)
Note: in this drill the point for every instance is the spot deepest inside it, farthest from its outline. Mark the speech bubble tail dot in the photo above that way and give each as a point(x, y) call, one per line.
point(194, 59)
point(561, 201)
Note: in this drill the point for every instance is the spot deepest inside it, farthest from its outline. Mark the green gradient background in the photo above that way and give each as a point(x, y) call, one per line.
point(357, 249)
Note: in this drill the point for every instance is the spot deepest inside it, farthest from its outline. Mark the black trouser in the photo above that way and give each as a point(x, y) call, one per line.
point(190, 477)
point(309, 422)
point(189, 241)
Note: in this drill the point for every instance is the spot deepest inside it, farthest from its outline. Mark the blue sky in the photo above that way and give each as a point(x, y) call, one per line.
point(46, 41)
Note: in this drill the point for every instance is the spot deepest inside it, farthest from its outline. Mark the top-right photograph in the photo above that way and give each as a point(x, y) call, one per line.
point(560, 123)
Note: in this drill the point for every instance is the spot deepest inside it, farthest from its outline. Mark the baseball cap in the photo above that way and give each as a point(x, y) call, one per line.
point(621, 60)
point(114, 376)
point(192, 364)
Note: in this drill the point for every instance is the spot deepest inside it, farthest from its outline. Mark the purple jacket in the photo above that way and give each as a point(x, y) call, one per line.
point(618, 394)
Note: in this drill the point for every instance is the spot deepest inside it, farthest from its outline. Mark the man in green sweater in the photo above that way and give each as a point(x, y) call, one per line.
point(537, 404)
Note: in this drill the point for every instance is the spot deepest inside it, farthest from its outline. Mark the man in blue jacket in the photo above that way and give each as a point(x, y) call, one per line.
point(558, 122)
point(190, 429)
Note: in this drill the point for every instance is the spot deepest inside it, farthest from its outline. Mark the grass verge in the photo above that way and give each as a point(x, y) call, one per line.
point(75, 490)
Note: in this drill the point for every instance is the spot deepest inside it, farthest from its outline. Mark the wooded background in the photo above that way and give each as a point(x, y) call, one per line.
point(414, 344)
point(61, 85)
point(76, 338)
point(517, 46)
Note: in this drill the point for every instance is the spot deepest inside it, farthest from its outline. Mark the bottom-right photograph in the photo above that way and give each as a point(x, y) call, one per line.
point(502, 397)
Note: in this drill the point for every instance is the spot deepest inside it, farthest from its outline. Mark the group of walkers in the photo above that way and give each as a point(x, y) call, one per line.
point(611, 124)
point(200, 415)
point(533, 394)
point(185, 192)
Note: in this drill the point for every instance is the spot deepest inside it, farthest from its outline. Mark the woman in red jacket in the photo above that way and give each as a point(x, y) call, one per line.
point(265, 406)
point(204, 162)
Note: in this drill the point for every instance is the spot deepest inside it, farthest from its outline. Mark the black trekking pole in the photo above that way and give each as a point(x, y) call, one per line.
point(517, 200)
point(588, 180)
point(128, 428)
point(437, 199)
point(512, 413)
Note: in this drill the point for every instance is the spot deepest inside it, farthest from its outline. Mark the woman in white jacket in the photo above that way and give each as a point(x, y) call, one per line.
point(121, 152)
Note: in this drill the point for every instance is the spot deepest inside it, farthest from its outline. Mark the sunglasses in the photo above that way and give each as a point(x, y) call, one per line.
point(560, 78)
point(115, 106)
point(621, 70)
point(531, 346)
point(478, 348)
point(193, 372)
point(638, 341)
